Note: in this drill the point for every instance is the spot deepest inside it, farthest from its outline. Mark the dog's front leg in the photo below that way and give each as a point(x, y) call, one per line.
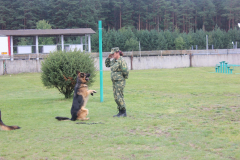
point(91, 92)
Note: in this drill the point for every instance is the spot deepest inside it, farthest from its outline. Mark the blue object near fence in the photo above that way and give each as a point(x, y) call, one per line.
point(224, 67)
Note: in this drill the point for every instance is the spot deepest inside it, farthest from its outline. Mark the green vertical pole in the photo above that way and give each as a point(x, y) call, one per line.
point(223, 66)
point(220, 67)
point(226, 67)
point(100, 59)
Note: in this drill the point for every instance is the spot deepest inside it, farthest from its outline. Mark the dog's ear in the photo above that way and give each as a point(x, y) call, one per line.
point(82, 74)
point(78, 72)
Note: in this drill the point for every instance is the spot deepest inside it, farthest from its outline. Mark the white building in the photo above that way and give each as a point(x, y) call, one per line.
point(7, 42)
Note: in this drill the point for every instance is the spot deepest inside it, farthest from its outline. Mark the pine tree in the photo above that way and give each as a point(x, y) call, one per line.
point(162, 43)
point(154, 39)
point(199, 38)
point(168, 9)
point(127, 13)
point(106, 14)
point(186, 15)
point(139, 6)
point(219, 19)
point(232, 8)
point(207, 13)
point(89, 13)
point(44, 25)
point(146, 39)
point(118, 13)
point(179, 43)
point(219, 38)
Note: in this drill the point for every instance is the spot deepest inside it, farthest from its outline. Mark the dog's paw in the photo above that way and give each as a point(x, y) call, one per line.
point(93, 92)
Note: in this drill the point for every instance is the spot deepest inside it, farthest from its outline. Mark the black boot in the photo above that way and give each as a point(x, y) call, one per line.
point(123, 113)
point(119, 113)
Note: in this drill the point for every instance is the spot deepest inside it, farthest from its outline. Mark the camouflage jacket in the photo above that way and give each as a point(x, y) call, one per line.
point(119, 69)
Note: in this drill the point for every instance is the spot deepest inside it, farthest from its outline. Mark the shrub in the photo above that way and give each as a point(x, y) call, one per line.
point(179, 43)
point(132, 45)
point(61, 63)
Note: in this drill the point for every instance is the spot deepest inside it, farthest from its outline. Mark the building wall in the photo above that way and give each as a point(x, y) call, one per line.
point(212, 60)
point(3, 44)
point(22, 66)
point(138, 63)
point(157, 62)
point(1, 67)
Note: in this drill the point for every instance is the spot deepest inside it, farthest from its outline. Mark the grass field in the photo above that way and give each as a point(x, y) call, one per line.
point(185, 113)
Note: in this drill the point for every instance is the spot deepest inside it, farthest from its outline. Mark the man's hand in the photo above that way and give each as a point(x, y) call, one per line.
point(110, 56)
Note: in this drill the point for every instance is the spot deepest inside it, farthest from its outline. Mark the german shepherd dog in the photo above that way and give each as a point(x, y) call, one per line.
point(80, 98)
point(6, 128)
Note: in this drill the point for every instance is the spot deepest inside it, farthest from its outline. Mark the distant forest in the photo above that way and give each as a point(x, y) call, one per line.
point(186, 15)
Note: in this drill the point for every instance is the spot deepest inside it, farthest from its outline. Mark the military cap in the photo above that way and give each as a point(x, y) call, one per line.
point(113, 50)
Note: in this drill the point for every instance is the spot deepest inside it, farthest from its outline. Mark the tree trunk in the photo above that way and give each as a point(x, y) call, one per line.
point(120, 17)
point(183, 24)
point(139, 22)
point(203, 27)
point(216, 19)
point(24, 19)
point(196, 21)
point(173, 21)
point(146, 25)
point(229, 21)
point(147, 20)
point(229, 24)
point(164, 23)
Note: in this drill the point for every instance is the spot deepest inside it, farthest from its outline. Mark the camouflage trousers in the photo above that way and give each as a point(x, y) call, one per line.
point(118, 87)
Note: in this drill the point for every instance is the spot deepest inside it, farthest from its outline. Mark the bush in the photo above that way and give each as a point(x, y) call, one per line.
point(179, 43)
point(61, 63)
point(131, 45)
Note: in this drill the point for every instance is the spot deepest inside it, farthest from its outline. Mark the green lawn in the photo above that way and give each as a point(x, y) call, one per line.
point(184, 113)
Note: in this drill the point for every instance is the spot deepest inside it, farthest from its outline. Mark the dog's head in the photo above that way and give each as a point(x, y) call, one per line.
point(83, 77)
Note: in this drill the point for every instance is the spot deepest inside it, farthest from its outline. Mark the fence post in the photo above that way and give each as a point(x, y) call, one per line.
point(190, 57)
point(131, 61)
point(207, 43)
point(11, 39)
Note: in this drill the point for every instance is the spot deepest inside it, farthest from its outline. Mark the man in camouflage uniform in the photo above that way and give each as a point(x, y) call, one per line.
point(119, 72)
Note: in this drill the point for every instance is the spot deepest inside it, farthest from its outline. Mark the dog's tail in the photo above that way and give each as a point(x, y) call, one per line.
point(7, 128)
point(1, 122)
point(62, 118)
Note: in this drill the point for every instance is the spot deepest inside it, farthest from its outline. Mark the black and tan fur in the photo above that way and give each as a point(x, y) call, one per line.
point(5, 127)
point(80, 98)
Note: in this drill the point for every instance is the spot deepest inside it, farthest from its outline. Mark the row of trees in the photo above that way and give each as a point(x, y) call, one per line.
point(186, 15)
point(127, 39)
